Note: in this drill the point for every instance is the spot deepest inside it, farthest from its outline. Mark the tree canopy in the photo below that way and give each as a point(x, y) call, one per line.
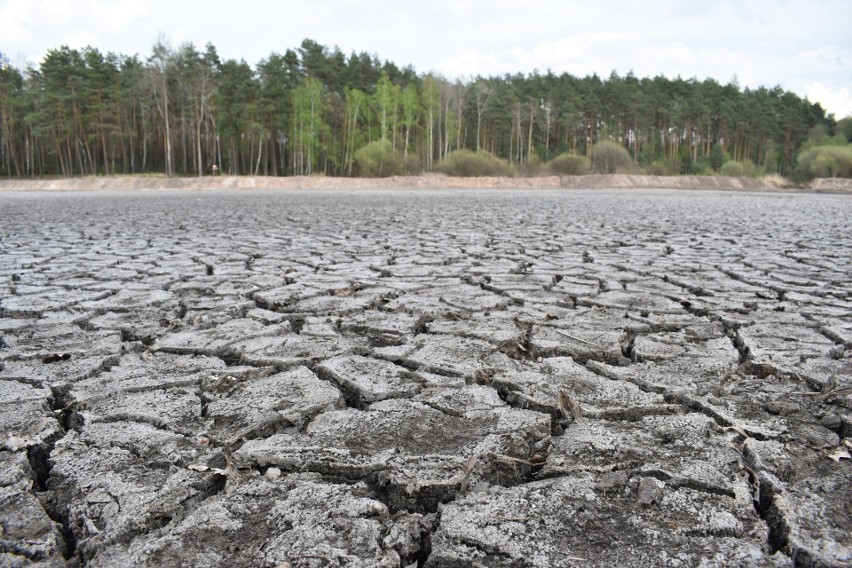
point(312, 109)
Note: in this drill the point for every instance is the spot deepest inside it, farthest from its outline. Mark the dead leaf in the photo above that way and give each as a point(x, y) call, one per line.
point(561, 400)
point(470, 464)
point(839, 454)
point(482, 377)
point(568, 405)
point(231, 469)
point(467, 468)
point(754, 482)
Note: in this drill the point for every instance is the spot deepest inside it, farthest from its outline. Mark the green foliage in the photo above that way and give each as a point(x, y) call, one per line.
point(818, 135)
point(11, 99)
point(824, 162)
point(610, 158)
point(701, 167)
point(717, 157)
point(379, 159)
point(569, 165)
point(740, 169)
point(660, 168)
point(532, 167)
point(466, 163)
point(411, 165)
point(386, 101)
point(308, 110)
point(771, 157)
point(310, 131)
point(844, 128)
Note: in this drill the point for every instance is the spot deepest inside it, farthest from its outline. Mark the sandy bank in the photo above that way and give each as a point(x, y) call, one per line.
point(431, 181)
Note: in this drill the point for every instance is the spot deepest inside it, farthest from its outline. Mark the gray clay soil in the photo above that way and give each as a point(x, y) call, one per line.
point(425, 378)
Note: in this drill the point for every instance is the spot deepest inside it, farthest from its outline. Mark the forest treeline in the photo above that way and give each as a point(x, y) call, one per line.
point(315, 110)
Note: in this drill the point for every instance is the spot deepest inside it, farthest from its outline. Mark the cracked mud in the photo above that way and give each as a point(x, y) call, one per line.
point(425, 378)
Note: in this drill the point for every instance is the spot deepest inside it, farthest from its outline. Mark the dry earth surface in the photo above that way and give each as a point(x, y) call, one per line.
point(535, 378)
point(429, 181)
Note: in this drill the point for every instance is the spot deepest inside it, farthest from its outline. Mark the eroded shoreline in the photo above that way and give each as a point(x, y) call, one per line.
point(614, 181)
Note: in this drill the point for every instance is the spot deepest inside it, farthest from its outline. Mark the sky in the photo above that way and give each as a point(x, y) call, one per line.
point(805, 46)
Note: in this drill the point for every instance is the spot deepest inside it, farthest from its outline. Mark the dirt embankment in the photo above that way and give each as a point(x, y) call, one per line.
point(429, 181)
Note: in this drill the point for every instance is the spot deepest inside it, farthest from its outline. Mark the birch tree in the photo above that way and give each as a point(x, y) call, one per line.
point(160, 69)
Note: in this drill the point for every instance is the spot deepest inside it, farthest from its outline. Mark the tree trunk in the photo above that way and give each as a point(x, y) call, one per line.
point(530, 140)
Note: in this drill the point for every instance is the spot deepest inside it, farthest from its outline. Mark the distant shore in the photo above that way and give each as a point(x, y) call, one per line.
point(428, 181)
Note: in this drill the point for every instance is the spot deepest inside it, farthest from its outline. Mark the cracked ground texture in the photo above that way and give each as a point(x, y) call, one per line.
point(425, 378)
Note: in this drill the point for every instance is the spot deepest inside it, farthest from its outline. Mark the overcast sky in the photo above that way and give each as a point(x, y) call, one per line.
point(802, 45)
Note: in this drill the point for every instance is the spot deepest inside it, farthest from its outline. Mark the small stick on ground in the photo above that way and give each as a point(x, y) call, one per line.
point(569, 336)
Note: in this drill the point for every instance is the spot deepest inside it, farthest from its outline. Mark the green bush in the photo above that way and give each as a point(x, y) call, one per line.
point(739, 169)
point(569, 165)
point(532, 167)
point(824, 161)
point(378, 159)
point(411, 165)
point(717, 157)
point(660, 168)
point(465, 163)
point(700, 167)
point(844, 128)
point(610, 158)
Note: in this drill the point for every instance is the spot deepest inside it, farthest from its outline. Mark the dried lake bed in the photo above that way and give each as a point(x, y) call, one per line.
point(438, 378)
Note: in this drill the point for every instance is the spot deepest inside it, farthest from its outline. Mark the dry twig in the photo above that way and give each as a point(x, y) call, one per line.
point(580, 339)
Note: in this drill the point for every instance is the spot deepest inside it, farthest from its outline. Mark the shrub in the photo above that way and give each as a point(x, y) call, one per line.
point(411, 165)
point(777, 180)
point(700, 167)
point(610, 158)
point(824, 161)
point(739, 169)
point(717, 157)
point(660, 168)
point(465, 163)
point(532, 167)
point(844, 128)
point(569, 165)
point(378, 159)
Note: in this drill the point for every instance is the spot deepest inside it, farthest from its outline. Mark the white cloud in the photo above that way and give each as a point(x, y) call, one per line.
point(119, 16)
point(794, 43)
point(470, 64)
point(15, 20)
point(32, 27)
point(835, 99)
point(601, 53)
